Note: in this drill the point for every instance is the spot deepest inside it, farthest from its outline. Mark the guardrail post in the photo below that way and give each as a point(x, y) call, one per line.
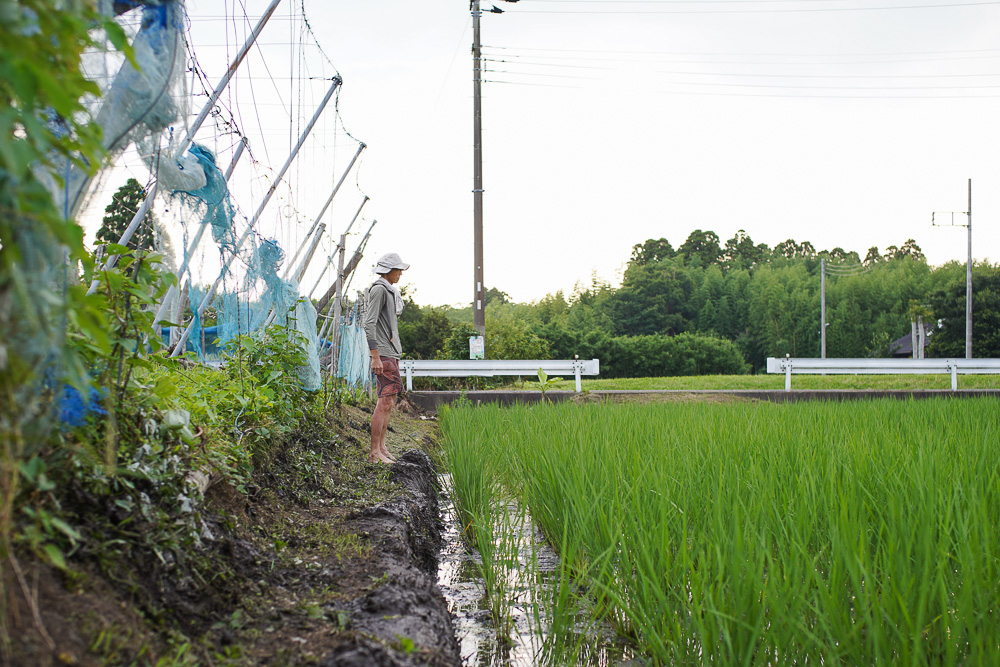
point(576, 370)
point(409, 377)
point(788, 374)
point(954, 376)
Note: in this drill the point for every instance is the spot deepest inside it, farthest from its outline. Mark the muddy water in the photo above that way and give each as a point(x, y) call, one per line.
point(465, 593)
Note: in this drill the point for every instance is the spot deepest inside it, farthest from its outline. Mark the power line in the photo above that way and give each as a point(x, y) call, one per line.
point(763, 95)
point(737, 53)
point(759, 11)
point(749, 74)
point(693, 58)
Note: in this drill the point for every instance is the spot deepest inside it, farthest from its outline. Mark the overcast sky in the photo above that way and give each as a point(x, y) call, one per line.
point(841, 122)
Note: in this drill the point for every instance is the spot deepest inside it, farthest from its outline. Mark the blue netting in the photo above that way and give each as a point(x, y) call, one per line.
point(354, 364)
point(148, 105)
point(74, 407)
point(214, 197)
point(305, 323)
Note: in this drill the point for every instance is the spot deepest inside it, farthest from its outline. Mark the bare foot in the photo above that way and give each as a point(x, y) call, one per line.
point(386, 454)
point(379, 458)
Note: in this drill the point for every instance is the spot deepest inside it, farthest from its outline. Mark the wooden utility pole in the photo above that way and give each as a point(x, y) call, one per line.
point(479, 294)
point(822, 309)
point(968, 283)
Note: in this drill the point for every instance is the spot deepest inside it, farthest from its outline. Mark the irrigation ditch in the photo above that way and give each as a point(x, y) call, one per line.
point(523, 640)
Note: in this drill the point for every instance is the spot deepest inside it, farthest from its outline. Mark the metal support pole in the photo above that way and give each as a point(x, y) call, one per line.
point(351, 265)
point(127, 236)
point(479, 295)
point(260, 209)
point(326, 327)
point(335, 351)
point(356, 257)
point(353, 220)
point(196, 125)
point(326, 206)
point(301, 270)
point(326, 267)
point(822, 309)
point(968, 284)
point(309, 254)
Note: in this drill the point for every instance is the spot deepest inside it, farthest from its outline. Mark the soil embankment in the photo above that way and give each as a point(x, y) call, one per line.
point(334, 567)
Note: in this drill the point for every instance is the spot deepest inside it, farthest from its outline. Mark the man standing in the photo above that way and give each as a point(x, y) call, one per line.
point(382, 309)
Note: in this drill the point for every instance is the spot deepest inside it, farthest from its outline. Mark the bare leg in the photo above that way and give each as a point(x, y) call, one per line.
point(380, 424)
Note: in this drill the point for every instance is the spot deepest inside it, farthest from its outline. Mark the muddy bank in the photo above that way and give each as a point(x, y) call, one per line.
point(405, 535)
point(324, 560)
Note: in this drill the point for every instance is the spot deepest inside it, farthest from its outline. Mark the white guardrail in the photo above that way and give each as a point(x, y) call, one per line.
point(488, 368)
point(789, 365)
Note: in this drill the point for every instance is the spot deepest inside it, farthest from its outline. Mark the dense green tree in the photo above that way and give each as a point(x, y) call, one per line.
point(653, 298)
point(948, 304)
point(701, 247)
point(423, 331)
point(762, 303)
point(552, 308)
point(507, 337)
point(493, 295)
point(908, 249)
point(741, 253)
point(119, 213)
point(652, 251)
point(840, 256)
point(790, 249)
point(873, 257)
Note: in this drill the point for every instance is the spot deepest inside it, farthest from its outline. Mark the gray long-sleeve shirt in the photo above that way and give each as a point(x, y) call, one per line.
point(381, 326)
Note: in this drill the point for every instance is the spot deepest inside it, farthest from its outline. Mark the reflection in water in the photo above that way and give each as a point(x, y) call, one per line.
point(463, 588)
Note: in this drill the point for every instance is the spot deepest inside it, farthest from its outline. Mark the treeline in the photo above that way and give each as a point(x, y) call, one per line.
point(708, 307)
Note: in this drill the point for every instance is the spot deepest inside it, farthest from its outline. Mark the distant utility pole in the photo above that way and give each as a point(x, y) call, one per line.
point(968, 266)
point(822, 309)
point(968, 283)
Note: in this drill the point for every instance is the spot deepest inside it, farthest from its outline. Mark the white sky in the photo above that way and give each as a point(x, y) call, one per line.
point(613, 122)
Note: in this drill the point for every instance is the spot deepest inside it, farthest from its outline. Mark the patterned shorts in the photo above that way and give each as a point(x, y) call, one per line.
point(389, 383)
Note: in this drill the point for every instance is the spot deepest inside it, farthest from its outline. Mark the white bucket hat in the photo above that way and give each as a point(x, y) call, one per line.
point(390, 261)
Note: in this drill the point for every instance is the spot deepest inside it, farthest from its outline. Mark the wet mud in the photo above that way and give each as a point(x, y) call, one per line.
point(405, 533)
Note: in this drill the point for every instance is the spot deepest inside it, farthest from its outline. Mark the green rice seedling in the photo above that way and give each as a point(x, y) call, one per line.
point(489, 523)
point(860, 533)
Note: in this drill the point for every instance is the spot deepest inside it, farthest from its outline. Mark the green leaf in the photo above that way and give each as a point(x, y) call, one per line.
point(55, 556)
point(66, 529)
point(176, 419)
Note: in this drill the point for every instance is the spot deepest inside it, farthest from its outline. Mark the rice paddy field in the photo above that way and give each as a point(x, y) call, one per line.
point(743, 533)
